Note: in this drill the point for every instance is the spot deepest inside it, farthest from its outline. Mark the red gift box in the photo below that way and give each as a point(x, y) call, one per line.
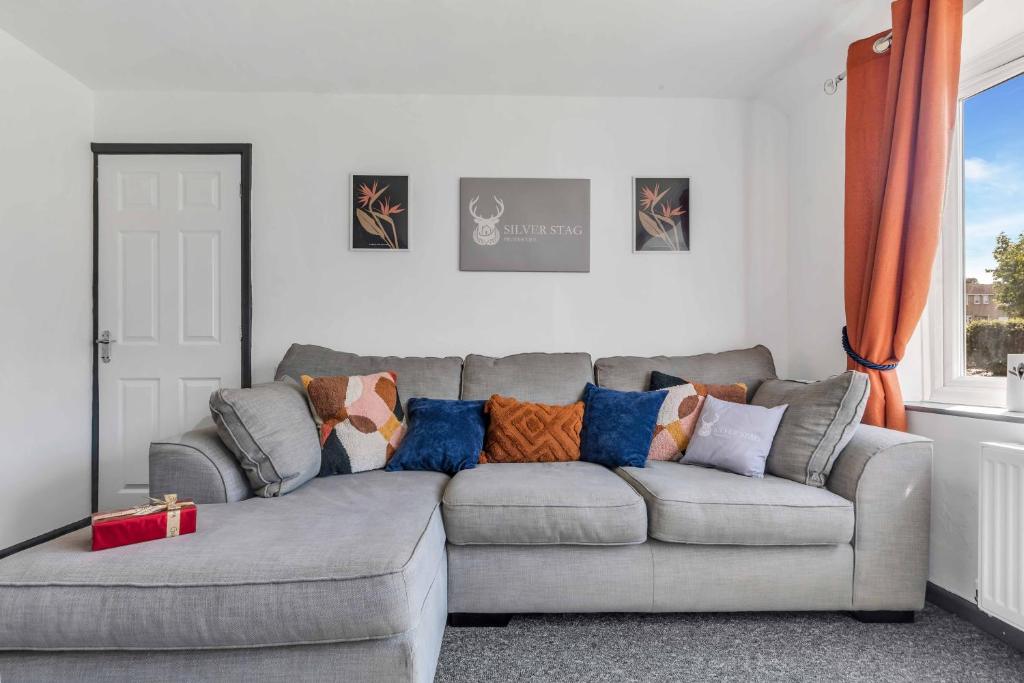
point(162, 519)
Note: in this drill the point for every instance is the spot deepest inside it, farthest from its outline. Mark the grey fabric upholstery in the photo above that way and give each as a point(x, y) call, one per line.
point(702, 578)
point(690, 504)
point(632, 373)
point(542, 503)
point(552, 578)
point(652, 577)
point(410, 656)
point(417, 377)
point(343, 558)
point(271, 431)
point(196, 465)
point(887, 475)
point(555, 378)
point(821, 418)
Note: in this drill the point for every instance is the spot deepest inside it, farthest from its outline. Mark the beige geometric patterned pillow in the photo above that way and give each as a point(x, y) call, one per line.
point(676, 421)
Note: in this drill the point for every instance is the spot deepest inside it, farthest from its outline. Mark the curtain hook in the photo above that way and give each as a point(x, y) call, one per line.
point(832, 84)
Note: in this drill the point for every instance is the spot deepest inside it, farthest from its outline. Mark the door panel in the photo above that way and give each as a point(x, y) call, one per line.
point(200, 288)
point(170, 293)
point(139, 287)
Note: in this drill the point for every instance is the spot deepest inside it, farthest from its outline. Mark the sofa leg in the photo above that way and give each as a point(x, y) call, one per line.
point(884, 617)
point(460, 619)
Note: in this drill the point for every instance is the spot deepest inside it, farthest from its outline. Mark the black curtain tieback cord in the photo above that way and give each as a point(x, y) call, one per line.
point(860, 360)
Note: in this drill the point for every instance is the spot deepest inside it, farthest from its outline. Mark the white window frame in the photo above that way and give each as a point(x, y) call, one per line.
point(946, 382)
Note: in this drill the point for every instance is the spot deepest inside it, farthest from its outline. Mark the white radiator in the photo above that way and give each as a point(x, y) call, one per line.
point(1001, 532)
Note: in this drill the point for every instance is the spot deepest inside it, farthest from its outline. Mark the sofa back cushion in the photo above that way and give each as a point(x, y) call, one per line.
point(554, 378)
point(417, 377)
point(632, 373)
point(271, 432)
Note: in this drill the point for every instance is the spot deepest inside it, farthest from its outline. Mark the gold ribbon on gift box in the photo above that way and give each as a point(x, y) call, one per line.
point(170, 504)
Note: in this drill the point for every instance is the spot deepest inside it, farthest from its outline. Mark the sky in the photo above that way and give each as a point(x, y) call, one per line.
point(993, 172)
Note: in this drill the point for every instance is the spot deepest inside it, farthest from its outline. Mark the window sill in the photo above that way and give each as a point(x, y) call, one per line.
point(958, 410)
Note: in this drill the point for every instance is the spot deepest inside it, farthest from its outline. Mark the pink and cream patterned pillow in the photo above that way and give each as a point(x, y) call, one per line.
point(360, 419)
point(676, 421)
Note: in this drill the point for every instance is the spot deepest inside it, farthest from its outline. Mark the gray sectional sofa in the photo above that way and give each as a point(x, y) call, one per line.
point(354, 577)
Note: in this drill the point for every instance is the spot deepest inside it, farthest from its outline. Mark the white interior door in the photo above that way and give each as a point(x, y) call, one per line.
point(170, 297)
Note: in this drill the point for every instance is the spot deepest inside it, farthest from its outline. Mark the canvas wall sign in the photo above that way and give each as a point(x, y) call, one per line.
point(524, 224)
point(380, 212)
point(661, 214)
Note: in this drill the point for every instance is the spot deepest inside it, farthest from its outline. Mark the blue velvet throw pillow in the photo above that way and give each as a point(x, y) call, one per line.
point(443, 436)
point(618, 425)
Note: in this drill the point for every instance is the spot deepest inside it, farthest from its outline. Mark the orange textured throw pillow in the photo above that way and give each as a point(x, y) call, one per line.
point(734, 393)
point(531, 432)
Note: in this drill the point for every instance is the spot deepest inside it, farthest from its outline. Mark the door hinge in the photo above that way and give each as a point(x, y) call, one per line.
point(240, 195)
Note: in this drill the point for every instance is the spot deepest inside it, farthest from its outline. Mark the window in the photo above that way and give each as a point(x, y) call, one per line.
point(982, 253)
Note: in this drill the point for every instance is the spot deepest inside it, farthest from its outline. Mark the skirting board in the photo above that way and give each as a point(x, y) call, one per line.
point(965, 609)
point(43, 538)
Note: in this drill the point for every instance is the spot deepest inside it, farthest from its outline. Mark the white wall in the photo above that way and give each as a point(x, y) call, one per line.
point(816, 171)
point(954, 539)
point(45, 294)
point(309, 287)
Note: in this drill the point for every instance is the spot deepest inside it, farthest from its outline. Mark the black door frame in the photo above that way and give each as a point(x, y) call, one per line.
point(244, 151)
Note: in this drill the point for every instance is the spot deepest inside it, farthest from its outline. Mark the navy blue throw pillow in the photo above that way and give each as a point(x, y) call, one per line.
point(443, 436)
point(660, 380)
point(618, 425)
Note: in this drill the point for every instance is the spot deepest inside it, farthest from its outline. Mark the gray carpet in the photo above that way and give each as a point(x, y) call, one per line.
point(807, 646)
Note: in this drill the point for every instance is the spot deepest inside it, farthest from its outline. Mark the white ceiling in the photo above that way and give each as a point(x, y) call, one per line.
point(718, 48)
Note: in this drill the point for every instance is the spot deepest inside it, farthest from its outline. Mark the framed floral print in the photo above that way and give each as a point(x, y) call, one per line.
point(661, 214)
point(380, 212)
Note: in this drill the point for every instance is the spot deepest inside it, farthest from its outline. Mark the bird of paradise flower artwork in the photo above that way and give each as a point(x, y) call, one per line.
point(662, 220)
point(380, 219)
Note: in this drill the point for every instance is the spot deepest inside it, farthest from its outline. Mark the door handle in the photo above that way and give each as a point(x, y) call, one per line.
point(104, 342)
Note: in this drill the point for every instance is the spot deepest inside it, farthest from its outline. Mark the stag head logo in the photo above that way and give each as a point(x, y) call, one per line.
point(706, 425)
point(486, 232)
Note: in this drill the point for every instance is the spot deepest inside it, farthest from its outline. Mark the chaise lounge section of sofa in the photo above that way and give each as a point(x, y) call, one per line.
point(353, 576)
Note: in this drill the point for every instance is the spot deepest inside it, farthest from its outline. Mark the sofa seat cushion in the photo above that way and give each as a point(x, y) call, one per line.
point(691, 504)
point(542, 503)
point(340, 559)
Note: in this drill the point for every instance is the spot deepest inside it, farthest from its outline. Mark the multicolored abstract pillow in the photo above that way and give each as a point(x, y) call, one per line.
point(678, 416)
point(360, 418)
point(676, 421)
point(531, 432)
point(734, 393)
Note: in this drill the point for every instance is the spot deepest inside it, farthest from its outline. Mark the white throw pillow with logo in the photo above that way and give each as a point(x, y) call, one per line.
point(734, 437)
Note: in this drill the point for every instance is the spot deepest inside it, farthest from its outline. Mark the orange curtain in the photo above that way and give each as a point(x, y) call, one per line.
point(900, 108)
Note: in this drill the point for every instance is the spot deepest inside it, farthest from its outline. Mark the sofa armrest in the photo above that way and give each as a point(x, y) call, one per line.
point(196, 465)
point(887, 476)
